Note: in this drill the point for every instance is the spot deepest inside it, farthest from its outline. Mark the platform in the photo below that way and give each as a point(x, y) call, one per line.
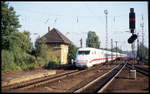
point(17, 77)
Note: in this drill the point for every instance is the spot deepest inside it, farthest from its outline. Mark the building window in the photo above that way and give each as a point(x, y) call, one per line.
point(57, 45)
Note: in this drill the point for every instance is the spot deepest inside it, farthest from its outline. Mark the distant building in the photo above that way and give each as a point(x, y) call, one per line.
point(57, 44)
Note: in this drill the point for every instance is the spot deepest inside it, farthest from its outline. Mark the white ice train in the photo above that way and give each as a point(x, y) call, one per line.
point(87, 57)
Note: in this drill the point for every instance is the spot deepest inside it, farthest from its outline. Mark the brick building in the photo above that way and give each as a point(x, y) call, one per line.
point(57, 44)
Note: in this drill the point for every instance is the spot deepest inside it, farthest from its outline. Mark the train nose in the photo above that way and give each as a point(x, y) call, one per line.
point(81, 63)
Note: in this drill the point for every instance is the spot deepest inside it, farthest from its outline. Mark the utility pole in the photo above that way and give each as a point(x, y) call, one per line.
point(106, 12)
point(138, 48)
point(111, 49)
point(131, 40)
point(116, 48)
point(99, 44)
point(133, 46)
point(142, 26)
point(81, 42)
point(120, 50)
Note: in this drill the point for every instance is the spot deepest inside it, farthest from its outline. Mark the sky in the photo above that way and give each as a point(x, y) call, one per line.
point(75, 19)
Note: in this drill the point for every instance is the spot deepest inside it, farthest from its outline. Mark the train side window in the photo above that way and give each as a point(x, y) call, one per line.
point(83, 52)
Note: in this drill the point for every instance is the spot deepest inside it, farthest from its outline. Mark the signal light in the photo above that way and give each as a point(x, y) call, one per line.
point(132, 30)
point(132, 38)
point(132, 20)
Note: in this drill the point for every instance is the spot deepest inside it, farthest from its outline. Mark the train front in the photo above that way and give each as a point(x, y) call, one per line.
point(82, 58)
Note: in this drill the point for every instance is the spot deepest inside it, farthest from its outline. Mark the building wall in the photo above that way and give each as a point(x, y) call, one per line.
point(53, 51)
point(64, 54)
point(60, 51)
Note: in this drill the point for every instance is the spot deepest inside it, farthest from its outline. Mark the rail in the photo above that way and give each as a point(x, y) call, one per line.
point(141, 70)
point(103, 86)
point(43, 80)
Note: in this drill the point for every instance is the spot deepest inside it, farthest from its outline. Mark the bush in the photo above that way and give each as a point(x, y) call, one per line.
point(24, 60)
point(54, 59)
point(17, 60)
point(53, 63)
point(41, 61)
point(72, 52)
point(28, 62)
point(16, 46)
point(8, 61)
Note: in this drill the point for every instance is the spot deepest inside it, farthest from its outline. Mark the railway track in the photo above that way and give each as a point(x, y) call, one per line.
point(139, 69)
point(100, 83)
point(44, 80)
point(30, 83)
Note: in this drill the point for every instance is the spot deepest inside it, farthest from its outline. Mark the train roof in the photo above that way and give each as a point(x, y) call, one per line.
point(86, 48)
point(89, 48)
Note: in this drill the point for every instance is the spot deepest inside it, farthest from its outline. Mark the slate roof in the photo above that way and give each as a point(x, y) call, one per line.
point(55, 36)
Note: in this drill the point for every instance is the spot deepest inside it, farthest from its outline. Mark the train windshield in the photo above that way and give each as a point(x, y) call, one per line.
point(83, 52)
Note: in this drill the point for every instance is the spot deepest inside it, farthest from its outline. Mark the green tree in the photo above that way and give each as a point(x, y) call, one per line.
point(114, 50)
point(41, 47)
point(9, 23)
point(19, 40)
point(27, 45)
point(143, 52)
point(16, 46)
point(72, 52)
point(18, 53)
point(92, 40)
point(41, 51)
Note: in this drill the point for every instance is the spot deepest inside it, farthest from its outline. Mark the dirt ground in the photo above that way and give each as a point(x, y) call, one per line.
point(121, 84)
point(71, 83)
point(124, 84)
point(13, 75)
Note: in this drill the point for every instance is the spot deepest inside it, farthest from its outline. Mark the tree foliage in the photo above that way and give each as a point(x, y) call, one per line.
point(19, 40)
point(143, 52)
point(16, 46)
point(18, 53)
point(114, 50)
point(92, 40)
point(72, 52)
point(41, 47)
point(9, 23)
point(41, 51)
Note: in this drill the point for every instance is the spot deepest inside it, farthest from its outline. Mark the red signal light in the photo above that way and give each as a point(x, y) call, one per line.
point(132, 20)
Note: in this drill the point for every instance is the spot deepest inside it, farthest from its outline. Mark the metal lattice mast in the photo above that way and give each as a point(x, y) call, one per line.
point(138, 47)
point(142, 26)
point(111, 48)
point(106, 12)
point(116, 48)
